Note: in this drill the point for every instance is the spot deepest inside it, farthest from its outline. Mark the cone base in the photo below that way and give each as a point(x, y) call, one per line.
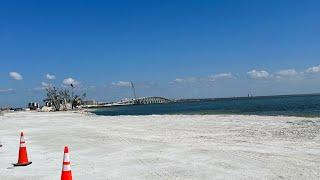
point(22, 164)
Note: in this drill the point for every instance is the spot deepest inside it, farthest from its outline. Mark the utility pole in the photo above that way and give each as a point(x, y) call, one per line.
point(72, 87)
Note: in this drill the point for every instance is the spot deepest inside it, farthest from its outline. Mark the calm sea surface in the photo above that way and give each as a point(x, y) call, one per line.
point(294, 105)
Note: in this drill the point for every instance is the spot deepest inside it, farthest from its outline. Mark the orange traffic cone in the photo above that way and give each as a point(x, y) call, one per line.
point(66, 167)
point(23, 156)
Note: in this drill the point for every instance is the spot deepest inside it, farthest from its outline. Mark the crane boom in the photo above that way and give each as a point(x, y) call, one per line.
point(133, 91)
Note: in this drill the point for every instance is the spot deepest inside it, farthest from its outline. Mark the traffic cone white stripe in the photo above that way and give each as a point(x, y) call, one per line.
point(66, 157)
point(22, 139)
point(66, 162)
point(66, 168)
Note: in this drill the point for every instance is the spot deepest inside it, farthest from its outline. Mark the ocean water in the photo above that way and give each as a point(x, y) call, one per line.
point(293, 105)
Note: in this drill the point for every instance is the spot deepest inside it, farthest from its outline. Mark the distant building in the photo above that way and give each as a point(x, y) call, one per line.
point(33, 105)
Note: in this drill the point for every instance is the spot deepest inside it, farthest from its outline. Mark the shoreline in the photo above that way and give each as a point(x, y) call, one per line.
point(199, 114)
point(89, 112)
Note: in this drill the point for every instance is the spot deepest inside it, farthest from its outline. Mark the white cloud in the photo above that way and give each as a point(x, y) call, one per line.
point(127, 84)
point(43, 86)
point(50, 76)
point(221, 76)
point(186, 80)
point(6, 90)
point(191, 79)
point(287, 73)
point(204, 79)
point(15, 76)
point(122, 84)
point(256, 74)
point(179, 80)
point(313, 70)
point(69, 81)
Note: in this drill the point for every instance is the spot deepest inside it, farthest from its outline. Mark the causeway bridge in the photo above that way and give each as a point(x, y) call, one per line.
point(137, 101)
point(151, 100)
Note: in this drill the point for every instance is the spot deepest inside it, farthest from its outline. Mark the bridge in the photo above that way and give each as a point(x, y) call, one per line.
point(142, 100)
point(151, 100)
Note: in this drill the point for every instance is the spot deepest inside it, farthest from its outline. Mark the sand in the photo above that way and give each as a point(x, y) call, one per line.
point(162, 146)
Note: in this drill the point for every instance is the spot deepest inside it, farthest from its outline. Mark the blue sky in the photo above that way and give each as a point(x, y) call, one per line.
point(177, 49)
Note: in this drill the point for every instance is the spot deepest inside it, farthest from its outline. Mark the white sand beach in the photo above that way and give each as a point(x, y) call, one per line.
point(162, 147)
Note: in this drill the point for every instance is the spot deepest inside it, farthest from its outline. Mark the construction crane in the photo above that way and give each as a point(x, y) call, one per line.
point(133, 91)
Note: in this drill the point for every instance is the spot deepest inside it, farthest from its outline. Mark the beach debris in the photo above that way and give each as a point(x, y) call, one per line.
point(66, 167)
point(23, 155)
point(62, 99)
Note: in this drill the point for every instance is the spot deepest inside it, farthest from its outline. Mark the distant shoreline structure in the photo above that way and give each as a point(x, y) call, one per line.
point(135, 102)
point(244, 97)
point(128, 102)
